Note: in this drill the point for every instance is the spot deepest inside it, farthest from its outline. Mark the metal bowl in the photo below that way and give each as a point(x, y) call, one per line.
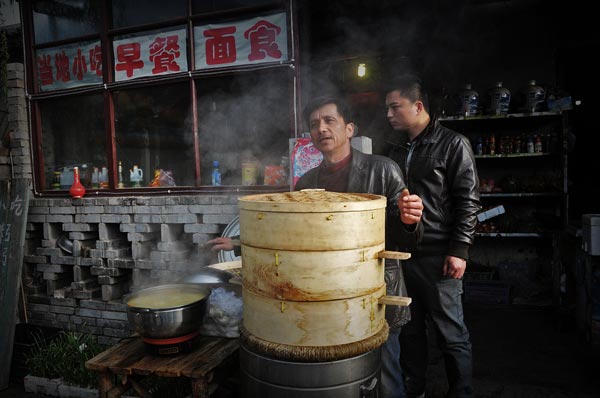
point(64, 243)
point(162, 322)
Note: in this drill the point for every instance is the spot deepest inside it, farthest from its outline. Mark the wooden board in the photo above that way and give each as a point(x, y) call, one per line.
point(313, 275)
point(130, 357)
point(317, 323)
point(14, 205)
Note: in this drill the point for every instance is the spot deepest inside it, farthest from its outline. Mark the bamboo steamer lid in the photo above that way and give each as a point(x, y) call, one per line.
point(313, 275)
point(312, 220)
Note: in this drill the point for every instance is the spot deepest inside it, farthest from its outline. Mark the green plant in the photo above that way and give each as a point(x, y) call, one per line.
point(64, 356)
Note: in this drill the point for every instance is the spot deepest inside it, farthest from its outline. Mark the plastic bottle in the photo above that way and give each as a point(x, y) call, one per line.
point(530, 145)
point(479, 147)
point(537, 148)
point(492, 145)
point(120, 184)
point(216, 174)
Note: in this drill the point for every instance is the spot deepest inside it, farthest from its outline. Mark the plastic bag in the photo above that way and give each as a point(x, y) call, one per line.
point(224, 314)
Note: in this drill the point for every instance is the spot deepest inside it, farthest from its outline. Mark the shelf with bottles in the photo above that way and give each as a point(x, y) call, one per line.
point(521, 194)
point(500, 117)
point(517, 219)
point(510, 235)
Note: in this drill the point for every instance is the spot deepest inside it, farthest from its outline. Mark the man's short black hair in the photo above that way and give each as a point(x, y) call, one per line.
point(409, 86)
point(342, 107)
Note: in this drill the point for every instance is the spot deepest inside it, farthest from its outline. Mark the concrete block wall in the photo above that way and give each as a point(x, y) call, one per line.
point(118, 245)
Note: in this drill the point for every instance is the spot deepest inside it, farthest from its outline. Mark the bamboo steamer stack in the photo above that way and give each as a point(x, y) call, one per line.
point(313, 274)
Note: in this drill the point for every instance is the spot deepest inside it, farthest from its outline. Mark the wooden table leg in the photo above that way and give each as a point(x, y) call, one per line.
point(200, 388)
point(105, 383)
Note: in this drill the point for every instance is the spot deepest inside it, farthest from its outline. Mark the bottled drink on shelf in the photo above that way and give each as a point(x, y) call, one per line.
point(120, 184)
point(216, 174)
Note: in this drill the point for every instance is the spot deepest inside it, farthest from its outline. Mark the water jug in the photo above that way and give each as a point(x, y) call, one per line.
point(535, 97)
point(135, 176)
point(500, 100)
point(470, 101)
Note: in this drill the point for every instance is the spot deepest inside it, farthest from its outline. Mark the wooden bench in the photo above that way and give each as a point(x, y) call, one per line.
point(131, 361)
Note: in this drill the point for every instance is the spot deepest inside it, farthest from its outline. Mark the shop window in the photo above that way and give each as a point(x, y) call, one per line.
point(131, 12)
point(130, 114)
point(73, 135)
point(63, 19)
point(244, 123)
point(153, 131)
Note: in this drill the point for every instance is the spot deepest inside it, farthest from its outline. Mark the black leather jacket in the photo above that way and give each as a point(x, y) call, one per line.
point(381, 176)
point(439, 166)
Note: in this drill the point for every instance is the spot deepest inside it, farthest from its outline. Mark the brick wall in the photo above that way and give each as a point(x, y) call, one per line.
point(119, 245)
point(15, 156)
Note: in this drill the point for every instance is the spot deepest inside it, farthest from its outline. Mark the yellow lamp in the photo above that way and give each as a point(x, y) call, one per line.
point(362, 70)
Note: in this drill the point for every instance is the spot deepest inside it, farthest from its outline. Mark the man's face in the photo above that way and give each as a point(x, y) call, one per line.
point(401, 112)
point(329, 131)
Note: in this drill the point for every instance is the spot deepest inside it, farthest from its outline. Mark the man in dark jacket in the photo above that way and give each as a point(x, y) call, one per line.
point(347, 170)
point(439, 167)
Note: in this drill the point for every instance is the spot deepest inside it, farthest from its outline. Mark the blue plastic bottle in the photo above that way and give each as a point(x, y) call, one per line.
point(216, 174)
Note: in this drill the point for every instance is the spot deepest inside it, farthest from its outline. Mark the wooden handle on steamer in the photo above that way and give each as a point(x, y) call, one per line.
point(393, 255)
point(395, 300)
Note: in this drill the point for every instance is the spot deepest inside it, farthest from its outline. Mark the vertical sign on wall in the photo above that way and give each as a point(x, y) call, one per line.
point(14, 205)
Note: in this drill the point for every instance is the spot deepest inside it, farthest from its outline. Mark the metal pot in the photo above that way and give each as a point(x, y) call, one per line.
point(167, 321)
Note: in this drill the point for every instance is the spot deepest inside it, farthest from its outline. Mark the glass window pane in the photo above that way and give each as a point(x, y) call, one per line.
point(153, 129)
point(244, 123)
point(62, 19)
point(135, 12)
point(72, 135)
point(200, 6)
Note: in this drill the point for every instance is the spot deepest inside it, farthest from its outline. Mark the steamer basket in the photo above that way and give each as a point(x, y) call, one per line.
point(313, 323)
point(312, 220)
point(313, 275)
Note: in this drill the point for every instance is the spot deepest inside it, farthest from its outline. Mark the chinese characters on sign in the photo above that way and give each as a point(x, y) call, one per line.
point(150, 54)
point(69, 66)
point(160, 52)
point(256, 40)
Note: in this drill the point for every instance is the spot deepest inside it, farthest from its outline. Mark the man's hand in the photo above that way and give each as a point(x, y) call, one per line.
point(454, 267)
point(221, 243)
point(411, 207)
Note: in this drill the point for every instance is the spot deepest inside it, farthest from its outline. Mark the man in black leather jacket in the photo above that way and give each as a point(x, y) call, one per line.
point(347, 170)
point(439, 166)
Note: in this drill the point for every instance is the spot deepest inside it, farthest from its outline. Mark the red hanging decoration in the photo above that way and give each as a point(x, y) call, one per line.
point(77, 190)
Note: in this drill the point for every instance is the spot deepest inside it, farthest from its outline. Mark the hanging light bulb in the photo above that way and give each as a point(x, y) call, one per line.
point(362, 70)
